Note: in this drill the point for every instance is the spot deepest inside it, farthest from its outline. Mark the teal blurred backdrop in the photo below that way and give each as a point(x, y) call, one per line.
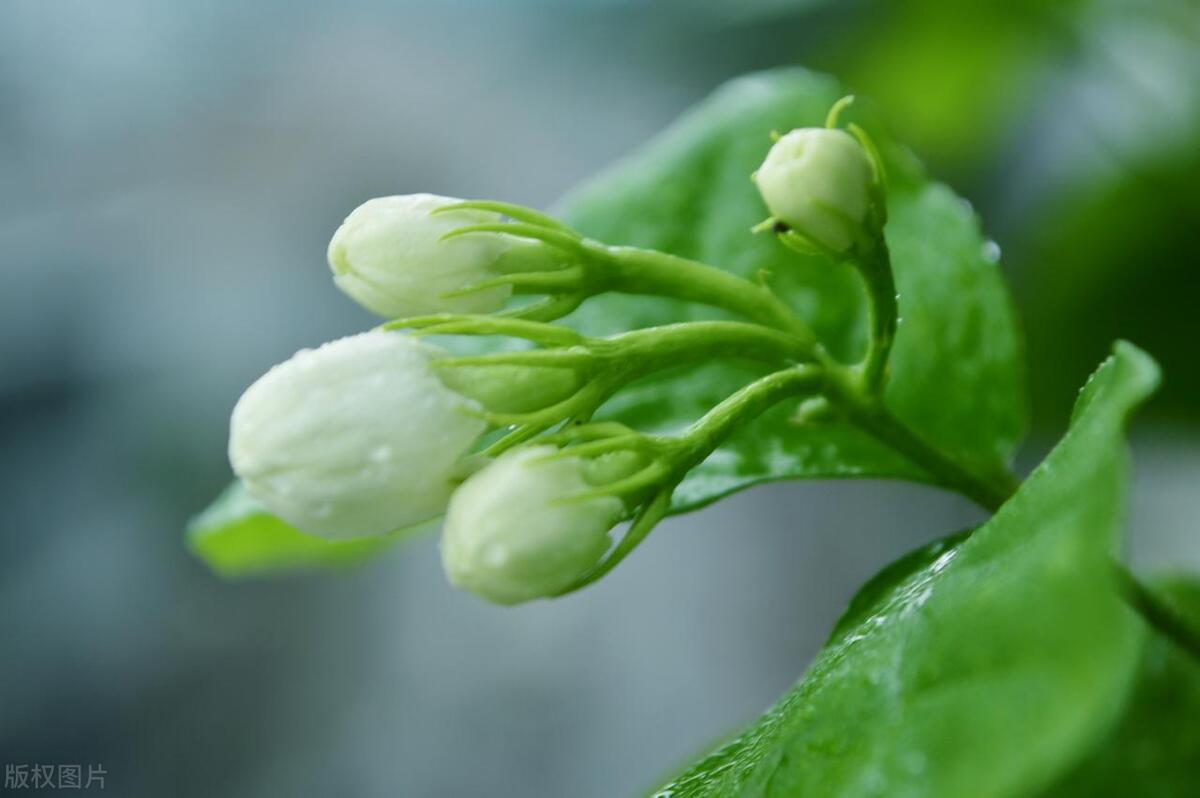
point(171, 174)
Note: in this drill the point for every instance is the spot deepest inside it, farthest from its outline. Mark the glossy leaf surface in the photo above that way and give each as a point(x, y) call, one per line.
point(988, 669)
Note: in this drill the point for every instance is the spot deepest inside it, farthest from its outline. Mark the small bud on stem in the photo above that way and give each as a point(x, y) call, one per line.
point(390, 257)
point(513, 532)
point(819, 183)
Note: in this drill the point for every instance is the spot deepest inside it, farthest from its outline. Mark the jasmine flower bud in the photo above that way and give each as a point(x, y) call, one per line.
point(357, 437)
point(389, 257)
point(819, 182)
point(514, 533)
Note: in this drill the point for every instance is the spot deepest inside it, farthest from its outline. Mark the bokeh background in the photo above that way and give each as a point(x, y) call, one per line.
point(169, 176)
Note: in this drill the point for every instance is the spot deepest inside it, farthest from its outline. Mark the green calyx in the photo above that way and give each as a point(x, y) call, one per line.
point(570, 376)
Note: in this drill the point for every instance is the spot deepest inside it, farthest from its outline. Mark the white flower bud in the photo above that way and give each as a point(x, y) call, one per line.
point(818, 181)
point(389, 257)
point(509, 535)
point(358, 437)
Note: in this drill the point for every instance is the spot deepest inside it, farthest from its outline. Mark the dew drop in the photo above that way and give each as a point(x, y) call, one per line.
point(991, 252)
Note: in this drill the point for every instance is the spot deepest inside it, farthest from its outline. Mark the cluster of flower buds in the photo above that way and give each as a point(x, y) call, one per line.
point(384, 430)
point(377, 431)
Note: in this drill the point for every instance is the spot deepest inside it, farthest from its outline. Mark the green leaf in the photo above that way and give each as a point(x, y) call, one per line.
point(957, 375)
point(986, 671)
point(879, 588)
point(1154, 752)
point(237, 538)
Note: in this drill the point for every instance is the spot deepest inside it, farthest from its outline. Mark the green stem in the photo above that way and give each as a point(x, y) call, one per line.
point(643, 271)
point(703, 436)
point(869, 413)
point(656, 348)
point(1158, 613)
point(601, 366)
point(875, 268)
point(636, 354)
point(860, 394)
point(700, 439)
point(856, 391)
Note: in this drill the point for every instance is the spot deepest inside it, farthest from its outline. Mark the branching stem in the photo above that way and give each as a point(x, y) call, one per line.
point(856, 391)
point(643, 271)
point(1160, 615)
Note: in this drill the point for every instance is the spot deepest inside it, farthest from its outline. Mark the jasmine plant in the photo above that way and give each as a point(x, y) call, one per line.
point(772, 290)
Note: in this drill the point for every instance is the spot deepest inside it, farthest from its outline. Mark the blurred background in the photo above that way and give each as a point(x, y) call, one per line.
point(171, 174)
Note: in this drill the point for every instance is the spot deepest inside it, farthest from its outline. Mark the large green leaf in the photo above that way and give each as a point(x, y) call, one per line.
point(986, 671)
point(236, 537)
point(957, 375)
point(1154, 752)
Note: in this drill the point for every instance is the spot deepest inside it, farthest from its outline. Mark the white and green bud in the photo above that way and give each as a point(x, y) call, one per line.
point(820, 183)
point(389, 257)
point(357, 437)
point(527, 526)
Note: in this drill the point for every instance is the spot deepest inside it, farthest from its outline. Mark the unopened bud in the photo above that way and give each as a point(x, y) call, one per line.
point(515, 531)
point(357, 437)
point(389, 257)
point(818, 181)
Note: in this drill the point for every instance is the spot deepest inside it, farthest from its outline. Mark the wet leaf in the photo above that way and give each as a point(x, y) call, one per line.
point(988, 670)
point(236, 537)
point(1154, 752)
